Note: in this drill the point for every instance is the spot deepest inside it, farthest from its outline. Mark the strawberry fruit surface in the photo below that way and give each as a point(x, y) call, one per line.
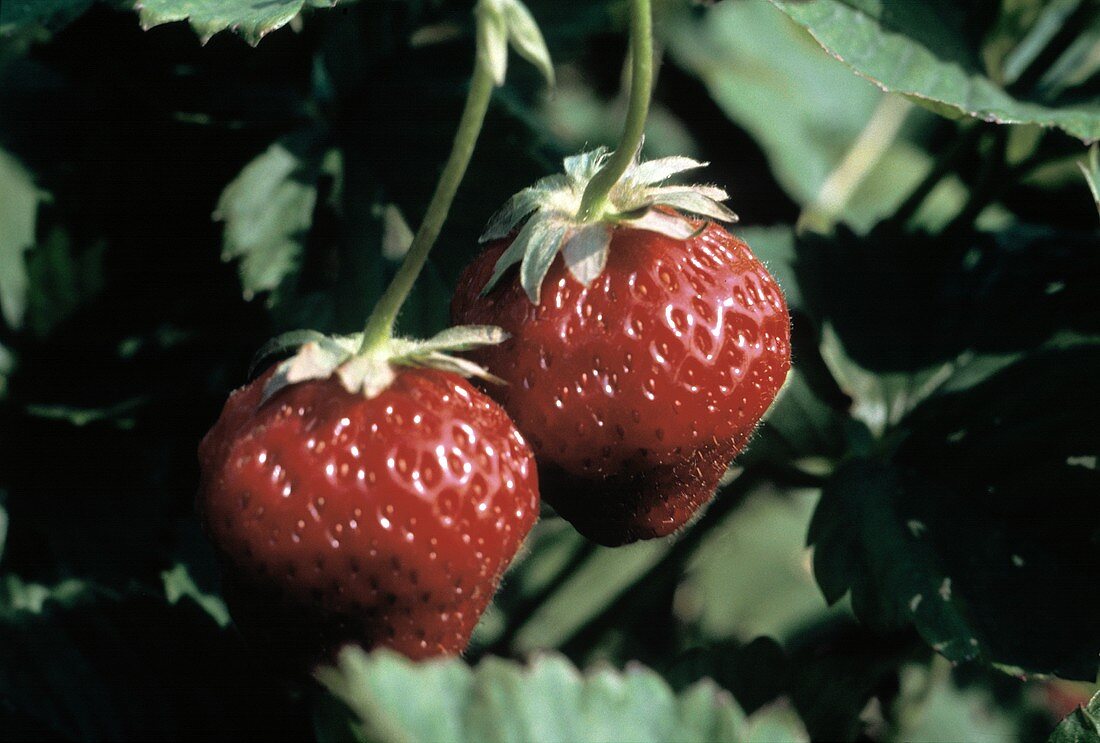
point(385, 520)
point(636, 390)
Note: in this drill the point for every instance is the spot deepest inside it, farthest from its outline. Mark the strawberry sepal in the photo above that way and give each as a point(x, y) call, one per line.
point(369, 372)
point(550, 208)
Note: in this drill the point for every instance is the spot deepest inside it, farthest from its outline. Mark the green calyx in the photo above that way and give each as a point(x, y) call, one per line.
point(552, 209)
point(369, 372)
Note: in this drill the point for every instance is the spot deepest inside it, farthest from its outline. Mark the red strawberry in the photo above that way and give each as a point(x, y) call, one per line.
point(637, 389)
point(382, 520)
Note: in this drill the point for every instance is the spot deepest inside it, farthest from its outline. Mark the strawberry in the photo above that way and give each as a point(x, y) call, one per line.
point(383, 520)
point(645, 346)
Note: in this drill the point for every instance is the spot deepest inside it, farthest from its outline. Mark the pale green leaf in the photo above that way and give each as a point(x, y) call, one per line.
point(805, 110)
point(397, 236)
point(178, 584)
point(934, 709)
point(913, 48)
point(500, 701)
point(252, 20)
point(268, 211)
point(1091, 170)
point(592, 587)
point(751, 574)
point(19, 199)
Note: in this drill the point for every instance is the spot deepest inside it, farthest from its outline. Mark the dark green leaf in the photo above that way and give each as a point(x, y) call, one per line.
point(62, 279)
point(920, 49)
point(99, 667)
point(907, 303)
point(15, 14)
point(982, 530)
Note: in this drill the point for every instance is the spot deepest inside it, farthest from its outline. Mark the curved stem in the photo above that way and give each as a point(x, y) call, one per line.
point(594, 200)
point(379, 327)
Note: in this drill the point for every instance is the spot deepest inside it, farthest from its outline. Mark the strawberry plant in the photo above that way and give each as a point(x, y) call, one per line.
point(400, 370)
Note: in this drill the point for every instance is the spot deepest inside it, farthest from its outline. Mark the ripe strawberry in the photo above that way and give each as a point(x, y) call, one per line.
point(640, 362)
point(384, 520)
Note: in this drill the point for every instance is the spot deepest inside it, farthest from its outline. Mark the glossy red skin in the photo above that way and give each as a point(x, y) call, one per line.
point(383, 522)
point(637, 391)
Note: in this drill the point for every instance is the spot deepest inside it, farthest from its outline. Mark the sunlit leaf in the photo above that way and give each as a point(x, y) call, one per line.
point(446, 701)
point(251, 20)
point(919, 49)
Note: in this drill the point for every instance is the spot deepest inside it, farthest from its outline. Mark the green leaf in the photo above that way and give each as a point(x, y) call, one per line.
point(16, 14)
point(445, 701)
point(601, 579)
point(1091, 169)
point(19, 199)
point(252, 20)
point(1081, 726)
point(179, 584)
point(3, 523)
point(804, 110)
point(931, 707)
point(751, 573)
point(63, 278)
point(919, 49)
point(981, 528)
point(19, 598)
point(268, 210)
point(906, 321)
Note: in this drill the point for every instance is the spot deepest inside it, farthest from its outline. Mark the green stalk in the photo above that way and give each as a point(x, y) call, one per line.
point(380, 324)
point(594, 200)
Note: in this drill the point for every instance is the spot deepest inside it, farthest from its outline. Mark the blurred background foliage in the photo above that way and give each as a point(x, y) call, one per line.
point(909, 549)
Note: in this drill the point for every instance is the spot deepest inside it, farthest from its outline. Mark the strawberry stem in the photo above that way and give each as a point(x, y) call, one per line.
point(595, 199)
point(380, 324)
